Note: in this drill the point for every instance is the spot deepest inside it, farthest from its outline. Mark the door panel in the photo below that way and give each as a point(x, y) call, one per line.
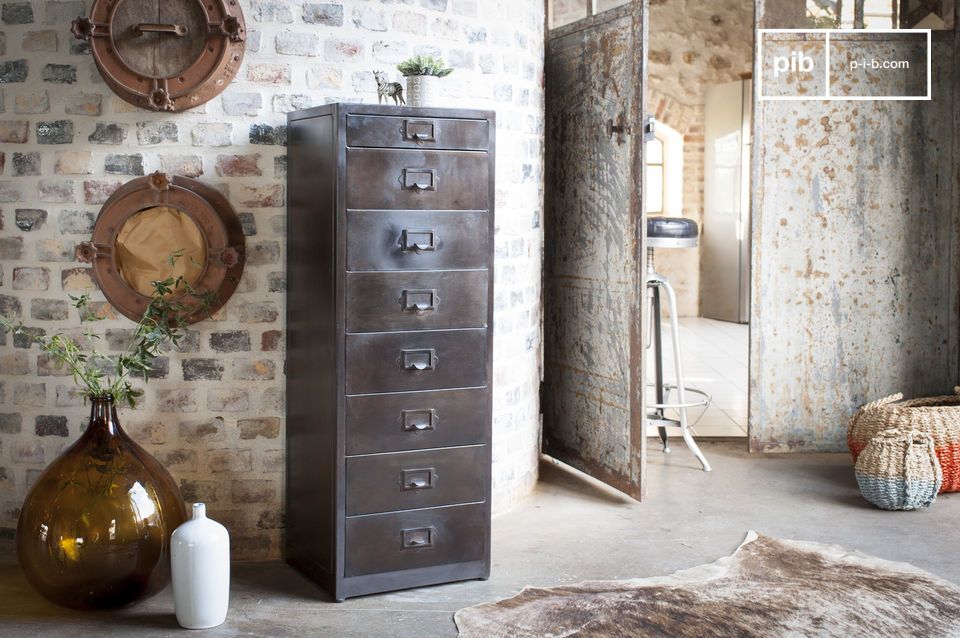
point(592, 395)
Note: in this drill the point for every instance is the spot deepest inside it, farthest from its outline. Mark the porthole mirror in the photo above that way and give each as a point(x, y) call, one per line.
point(165, 55)
point(153, 228)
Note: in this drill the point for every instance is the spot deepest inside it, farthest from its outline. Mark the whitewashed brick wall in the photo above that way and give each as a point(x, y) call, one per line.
point(213, 414)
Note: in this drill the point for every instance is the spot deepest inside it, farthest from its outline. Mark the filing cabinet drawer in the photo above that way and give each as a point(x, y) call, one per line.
point(417, 132)
point(416, 420)
point(410, 480)
point(417, 240)
point(403, 361)
point(417, 180)
point(415, 538)
point(416, 301)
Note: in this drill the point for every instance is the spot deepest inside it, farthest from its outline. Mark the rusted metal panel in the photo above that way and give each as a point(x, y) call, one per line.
point(592, 400)
point(855, 261)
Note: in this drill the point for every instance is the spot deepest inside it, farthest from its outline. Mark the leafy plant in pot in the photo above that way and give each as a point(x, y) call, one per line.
point(94, 530)
point(423, 73)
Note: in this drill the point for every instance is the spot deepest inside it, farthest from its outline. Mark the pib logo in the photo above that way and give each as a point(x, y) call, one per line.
point(795, 62)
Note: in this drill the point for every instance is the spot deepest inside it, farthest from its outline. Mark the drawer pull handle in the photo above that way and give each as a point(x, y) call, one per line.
point(419, 179)
point(418, 420)
point(414, 480)
point(417, 538)
point(418, 240)
point(419, 301)
point(419, 130)
point(417, 360)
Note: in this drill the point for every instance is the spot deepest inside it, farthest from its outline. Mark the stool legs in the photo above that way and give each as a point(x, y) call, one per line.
point(655, 283)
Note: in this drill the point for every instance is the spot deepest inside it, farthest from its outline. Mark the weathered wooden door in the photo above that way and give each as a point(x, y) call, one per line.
point(593, 403)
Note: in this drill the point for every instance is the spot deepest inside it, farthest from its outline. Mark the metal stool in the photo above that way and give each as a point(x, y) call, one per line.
point(670, 232)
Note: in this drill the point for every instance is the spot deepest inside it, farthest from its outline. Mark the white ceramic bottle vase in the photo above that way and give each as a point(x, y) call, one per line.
point(200, 560)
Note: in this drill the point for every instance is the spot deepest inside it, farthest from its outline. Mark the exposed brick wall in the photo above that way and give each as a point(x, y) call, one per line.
point(213, 413)
point(693, 43)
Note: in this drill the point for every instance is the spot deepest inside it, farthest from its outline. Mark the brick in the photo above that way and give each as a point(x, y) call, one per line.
point(325, 13)
point(253, 370)
point(56, 191)
point(178, 460)
point(16, 13)
point(271, 340)
point(47, 366)
point(76, 222)
point(195, 491)
point(31, 103)
point(266, 134)
point(265, 428)
point(230, 460)
point(230, 341)
point(152, 133)
point(280, 166)
point(73, 163)
point(242, 103)
point(49, 309)
point(186, 165)
point(286, 103)
point(389, 52)
point(14, 131)
point(159, 368)
point(59, 73)
point(32, 395)
point(272, 519)
point(262, 312)
point(189, 342)
point(11, 423)
point(28, 278)
point(271, 11)
point(105, 133)
point(273, 460)
point(254, 546)
point(300, 44)
point(84, 104)
point(263, 252)
point(266, 196)
point(324, 77)
point(15, 363)
point(434, 5)
point(10, 306)
point(13, 71)
point(202, 369)
point(10, 192)
point(370, 18)
point(118, 339)
point(99, 310)
point(55, 132)
point(28, 219)
point(24, 164)
point(61, 250)
point(177, 400)
point(40, 41)
point(207, 430)
point(51, 425)
point(277, 282)
point(27, 452)
point(340, 50)
point(228, 400)
point(126, 164)
point(268, 73)
point(154, 432)
point(97, 191)
point(278, 224)
point(26, 337)
point(212, 134)
point(77, 280)
point(253, 490)
point(248, 222)
point(238, 165)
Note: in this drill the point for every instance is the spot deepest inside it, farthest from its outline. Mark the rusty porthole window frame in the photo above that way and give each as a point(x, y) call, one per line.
point(214, 216)
point(205, 78)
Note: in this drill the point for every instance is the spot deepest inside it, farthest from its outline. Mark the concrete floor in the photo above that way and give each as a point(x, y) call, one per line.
point(570, 530)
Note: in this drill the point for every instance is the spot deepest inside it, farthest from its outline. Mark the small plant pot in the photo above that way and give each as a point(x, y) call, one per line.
point(422, 90)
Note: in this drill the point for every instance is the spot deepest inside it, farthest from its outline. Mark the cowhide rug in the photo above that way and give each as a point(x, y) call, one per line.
point(768, 588)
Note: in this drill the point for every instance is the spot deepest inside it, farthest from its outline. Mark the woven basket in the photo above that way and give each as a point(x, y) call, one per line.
point(899, 470)
point(937, 416)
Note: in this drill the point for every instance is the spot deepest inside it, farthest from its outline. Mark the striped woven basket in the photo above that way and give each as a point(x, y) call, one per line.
point(937, 416)
point(899, 470)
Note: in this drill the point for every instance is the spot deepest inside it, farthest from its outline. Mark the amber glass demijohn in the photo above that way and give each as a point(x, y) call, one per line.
point(94, 530)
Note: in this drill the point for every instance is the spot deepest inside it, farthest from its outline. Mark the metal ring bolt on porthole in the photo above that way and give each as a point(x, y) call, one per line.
point(151, 218)
point(165, 55)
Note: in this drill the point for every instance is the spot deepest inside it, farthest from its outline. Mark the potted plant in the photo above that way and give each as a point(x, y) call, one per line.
point(422, 73)
point(94, 530)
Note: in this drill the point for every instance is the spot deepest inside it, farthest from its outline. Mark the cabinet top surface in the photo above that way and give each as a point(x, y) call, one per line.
point(350, 108)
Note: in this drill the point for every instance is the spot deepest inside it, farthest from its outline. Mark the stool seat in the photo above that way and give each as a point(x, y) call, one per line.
point(672, 232)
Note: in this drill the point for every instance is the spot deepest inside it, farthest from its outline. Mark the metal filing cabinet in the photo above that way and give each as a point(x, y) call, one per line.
point(389, 344)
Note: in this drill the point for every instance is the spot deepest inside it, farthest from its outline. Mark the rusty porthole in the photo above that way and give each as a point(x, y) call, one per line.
point(150, 219)
point(165, 55)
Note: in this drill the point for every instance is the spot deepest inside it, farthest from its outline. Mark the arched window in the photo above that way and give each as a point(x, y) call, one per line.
point(664, 181)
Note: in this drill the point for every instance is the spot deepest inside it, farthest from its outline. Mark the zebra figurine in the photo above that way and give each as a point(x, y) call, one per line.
point(388, 89)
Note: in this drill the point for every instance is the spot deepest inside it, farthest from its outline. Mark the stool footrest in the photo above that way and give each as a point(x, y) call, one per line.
point(701, 403)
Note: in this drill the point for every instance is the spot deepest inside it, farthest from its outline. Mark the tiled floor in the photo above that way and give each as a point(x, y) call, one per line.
point(714, 360)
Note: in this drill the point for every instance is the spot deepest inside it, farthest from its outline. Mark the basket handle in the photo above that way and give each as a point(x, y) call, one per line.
point(893, 398)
